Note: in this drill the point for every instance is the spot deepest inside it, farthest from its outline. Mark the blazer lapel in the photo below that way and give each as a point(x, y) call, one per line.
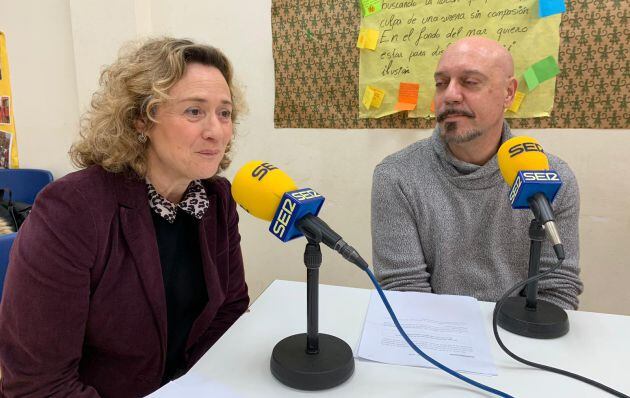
point(216, 295)
point(139, 232)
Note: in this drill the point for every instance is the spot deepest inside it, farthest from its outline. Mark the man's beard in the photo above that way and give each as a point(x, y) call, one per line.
point(449, 134)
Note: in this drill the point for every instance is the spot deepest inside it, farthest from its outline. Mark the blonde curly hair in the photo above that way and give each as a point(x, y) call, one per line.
point(130, 90)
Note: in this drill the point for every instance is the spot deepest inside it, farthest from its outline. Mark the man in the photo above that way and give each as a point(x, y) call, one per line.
point(441, 219)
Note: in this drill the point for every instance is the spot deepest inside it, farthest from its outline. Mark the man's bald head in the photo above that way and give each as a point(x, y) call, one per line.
point(474, 84)
point(482, 48)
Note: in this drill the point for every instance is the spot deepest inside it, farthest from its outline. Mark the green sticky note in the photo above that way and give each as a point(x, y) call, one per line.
point(530, 78)
point(369, 7)
point(546, 69)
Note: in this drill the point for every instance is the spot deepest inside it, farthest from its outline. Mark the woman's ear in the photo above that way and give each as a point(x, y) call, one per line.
point(140, 125)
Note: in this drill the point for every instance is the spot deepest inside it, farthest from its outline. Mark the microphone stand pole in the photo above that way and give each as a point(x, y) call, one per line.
point(528, 316)
point(312, 361)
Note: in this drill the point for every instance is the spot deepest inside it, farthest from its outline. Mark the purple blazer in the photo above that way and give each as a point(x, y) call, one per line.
point(84, 311)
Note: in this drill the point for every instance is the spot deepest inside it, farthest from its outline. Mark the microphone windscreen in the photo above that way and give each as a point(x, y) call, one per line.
point(258, 187)
point(520, 153)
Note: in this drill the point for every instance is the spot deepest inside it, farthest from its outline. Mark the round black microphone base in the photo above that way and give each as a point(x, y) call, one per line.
point(294, 367)
point(547, 321)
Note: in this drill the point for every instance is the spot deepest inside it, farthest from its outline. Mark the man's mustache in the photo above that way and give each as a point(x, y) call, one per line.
point(452, 111)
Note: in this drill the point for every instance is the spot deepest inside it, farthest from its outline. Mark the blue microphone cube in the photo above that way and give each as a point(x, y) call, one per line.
point(293, 206)
point(528, 183)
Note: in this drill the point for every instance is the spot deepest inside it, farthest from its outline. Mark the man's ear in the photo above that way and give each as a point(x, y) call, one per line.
point(512, 85)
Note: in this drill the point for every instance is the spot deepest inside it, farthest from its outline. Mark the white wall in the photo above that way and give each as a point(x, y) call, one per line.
point(49, 40)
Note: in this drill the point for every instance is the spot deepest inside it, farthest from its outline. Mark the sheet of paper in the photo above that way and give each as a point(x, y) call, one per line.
point(193, 385)
point(447, 328)
point(413, 35)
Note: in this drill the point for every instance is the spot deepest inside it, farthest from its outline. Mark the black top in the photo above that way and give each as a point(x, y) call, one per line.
point(184, 284)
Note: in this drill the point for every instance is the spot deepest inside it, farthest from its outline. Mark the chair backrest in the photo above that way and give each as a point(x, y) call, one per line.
point(6, 241)
point(24, 183)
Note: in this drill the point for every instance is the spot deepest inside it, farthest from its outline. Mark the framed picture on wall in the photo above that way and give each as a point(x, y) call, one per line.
point(5, 110)
point(5, 149)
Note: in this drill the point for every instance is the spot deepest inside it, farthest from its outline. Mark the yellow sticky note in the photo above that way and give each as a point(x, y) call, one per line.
point(378, 97)
point(518, 98)
point(368, 96)
point(368, 38)
point(373, 97)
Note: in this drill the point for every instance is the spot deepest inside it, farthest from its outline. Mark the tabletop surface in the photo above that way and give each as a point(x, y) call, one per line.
point(597, 346)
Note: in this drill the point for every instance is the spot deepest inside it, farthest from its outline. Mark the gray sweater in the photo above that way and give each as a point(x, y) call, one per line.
point(445, 226)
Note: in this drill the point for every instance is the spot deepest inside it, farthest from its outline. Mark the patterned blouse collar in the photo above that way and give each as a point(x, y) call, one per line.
point(195, 202)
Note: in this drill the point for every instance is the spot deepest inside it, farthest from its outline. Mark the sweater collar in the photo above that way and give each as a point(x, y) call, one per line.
point(467, 175)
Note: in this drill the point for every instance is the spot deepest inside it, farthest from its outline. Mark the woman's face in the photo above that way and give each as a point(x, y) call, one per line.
point(193, 128)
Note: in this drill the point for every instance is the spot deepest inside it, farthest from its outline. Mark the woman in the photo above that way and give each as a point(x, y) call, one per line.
point(127, 271)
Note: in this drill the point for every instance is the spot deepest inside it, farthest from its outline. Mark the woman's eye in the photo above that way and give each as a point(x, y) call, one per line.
point(226, 114)
point(194, 112)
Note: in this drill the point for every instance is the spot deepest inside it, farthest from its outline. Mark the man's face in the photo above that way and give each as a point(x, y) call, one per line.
point(471, 93)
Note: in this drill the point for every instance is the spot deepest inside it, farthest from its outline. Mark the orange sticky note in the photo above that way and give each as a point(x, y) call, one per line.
point(368, 38)
point(516, 104)
point(407, 96)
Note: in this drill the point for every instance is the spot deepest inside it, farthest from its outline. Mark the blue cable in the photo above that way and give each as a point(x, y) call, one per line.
point(420, 352)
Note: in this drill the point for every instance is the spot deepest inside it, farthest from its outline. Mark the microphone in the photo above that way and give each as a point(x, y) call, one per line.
point(525, 168)
point(267, 192)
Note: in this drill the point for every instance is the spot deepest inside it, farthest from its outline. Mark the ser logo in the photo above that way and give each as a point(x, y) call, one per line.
point(262, 169)
point(515, 188)
point(525, 147)
point(284, 216)
point(541, 176)
point(305, 194)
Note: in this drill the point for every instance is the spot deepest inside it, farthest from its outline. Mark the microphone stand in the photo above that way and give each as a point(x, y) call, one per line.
point(312, 361)
point(528, 316)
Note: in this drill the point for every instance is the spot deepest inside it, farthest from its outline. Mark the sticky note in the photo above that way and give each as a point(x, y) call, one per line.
point(516, 104)
point(378, 97)
point(369, 7)
point(368, 96)
point(368, 38)
point(541, 71)
point(407, 96)
point(550, 7)
point(373, 97)
point(546, 69)
point(531, 79)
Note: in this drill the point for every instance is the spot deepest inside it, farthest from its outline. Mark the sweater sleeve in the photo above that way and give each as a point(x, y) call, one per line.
point(397, 255)
point(45, 304)
point(563, 286)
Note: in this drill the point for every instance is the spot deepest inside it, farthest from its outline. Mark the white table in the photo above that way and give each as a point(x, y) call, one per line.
point(597, 346)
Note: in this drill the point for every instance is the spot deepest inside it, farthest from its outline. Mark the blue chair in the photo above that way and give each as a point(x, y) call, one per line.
point(6, 241)
point(24, 183)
